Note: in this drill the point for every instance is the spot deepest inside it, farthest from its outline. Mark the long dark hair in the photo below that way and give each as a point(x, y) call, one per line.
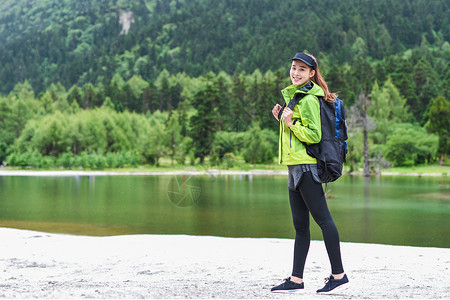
point(320, 81)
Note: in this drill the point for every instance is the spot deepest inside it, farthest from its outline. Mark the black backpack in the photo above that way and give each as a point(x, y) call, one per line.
point(331, 151)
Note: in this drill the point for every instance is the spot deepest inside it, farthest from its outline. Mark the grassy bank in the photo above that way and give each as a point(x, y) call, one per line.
point(422, 169)
point(167, 166)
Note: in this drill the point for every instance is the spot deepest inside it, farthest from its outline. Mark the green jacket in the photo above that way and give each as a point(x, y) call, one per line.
point(306, 115)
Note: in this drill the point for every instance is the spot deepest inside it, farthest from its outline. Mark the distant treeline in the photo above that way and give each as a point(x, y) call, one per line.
point(214, 118)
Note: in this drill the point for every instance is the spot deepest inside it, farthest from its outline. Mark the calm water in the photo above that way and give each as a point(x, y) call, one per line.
point(389, 210)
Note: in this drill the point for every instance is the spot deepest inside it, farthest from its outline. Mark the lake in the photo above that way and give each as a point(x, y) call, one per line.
point(397, 210)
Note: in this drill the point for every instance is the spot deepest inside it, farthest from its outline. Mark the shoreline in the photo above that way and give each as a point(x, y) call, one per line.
point(212, 172)
point(46, 265)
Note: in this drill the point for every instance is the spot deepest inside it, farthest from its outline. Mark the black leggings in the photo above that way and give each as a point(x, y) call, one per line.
point(309, 197)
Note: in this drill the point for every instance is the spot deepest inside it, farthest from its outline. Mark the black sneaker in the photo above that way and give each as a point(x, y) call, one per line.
point(288, 286)
point(332, 285)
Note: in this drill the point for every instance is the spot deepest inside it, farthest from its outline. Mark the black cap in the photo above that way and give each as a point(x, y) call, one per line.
point(306, 59)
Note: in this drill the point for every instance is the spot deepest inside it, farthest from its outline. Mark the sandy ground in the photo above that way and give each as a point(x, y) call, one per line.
point(42, 265)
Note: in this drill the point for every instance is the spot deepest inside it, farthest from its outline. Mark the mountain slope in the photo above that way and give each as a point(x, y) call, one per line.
point(76, 42)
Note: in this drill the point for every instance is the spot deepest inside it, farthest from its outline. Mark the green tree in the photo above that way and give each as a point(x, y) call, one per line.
point(237, 103)
point(258, 145)
point(108, 105)
point(203, 123)
point(112, 90)
point(402, 77)
point(128, 100)
point(149, 99)
point(183, 117)
point(162, 84)
point(173, 139)
point(426, 82)
point(225, 142)
point(388, 104)
point(71, 136)
point(74, 95)
point(47, 137)
point(153, 144)
point(15, 110)
point(93, 134)
point(439, 123)
point(47, 102)
point(222, 107)
point(388, 107)
point(89, 97)
point(137, 86)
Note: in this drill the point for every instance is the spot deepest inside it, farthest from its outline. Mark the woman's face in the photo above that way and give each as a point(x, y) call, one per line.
point(301, 73)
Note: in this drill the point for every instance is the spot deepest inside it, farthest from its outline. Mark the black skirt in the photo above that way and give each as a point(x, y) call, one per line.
point(296, 174)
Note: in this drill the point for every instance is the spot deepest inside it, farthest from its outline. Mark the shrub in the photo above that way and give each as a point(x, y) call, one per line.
point(229, 160)
point(29, 159)
point(410, 144)
point(65, 160)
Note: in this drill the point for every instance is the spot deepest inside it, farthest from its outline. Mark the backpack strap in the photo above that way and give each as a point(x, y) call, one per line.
point(298, 96)
point(313, 149)
point(338, 117)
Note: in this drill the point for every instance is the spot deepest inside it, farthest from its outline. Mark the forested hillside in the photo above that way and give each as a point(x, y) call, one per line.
point(76, 42)
point(168, 63)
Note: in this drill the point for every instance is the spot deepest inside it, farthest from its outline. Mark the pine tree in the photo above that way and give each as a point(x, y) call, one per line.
point(439, 122)
point(74, 95)
point(149, 99)
point(203, 123)
point(404, 81)
point(88, 97)
point(427, 87)
point(222, 107)
point(237, 102)
point(163, 86)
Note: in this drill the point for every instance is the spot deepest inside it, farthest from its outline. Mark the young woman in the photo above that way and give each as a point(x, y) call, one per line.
point(297, 125)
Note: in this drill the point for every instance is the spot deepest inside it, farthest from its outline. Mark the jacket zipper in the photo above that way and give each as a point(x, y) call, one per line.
point(290, 135)
point(290, 139)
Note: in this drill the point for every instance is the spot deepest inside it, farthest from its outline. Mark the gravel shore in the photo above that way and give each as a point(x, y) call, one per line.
point(43, 265)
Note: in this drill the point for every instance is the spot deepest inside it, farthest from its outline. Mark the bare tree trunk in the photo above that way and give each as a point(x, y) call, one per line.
point(172, 146)
point(366, 153)
point(362, 120)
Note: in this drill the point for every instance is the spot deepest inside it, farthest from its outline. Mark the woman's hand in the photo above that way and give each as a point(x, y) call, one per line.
point(287, 114)
point(276, 110)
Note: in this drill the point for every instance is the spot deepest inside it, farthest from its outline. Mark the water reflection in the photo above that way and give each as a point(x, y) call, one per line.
point(390, 210)
point(367, 223)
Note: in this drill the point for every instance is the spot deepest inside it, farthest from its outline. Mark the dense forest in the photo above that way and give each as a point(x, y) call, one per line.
point(110, 83)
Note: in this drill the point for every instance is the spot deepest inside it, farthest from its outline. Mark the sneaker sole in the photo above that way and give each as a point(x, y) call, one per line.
point(342, 287)
point(293, 291)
